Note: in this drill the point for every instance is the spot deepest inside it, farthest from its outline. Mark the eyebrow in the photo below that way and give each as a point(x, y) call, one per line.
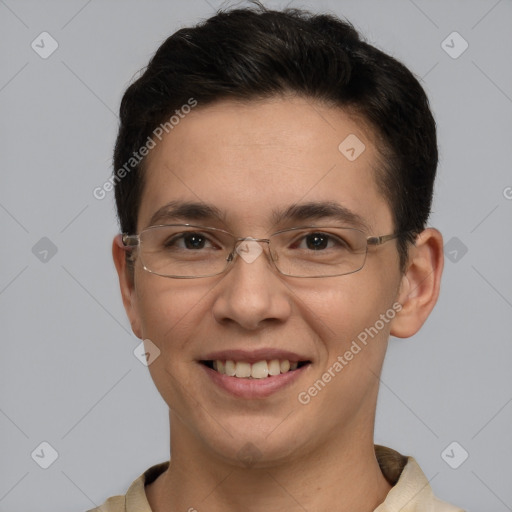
point(304, 212)
point(321, 210)
point(186, 210)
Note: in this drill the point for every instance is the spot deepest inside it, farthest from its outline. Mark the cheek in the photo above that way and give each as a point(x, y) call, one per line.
point(170, 310)
point(351, 316)
point(348, 306)
point(170, 315)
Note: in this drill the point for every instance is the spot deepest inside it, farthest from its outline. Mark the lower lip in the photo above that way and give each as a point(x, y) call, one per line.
point(254, 388)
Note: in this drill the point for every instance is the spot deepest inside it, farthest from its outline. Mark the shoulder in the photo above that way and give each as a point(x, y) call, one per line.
point(411, 491)
point(135, 499)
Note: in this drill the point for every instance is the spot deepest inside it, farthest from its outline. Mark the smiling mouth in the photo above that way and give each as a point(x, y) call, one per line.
point(260, 370)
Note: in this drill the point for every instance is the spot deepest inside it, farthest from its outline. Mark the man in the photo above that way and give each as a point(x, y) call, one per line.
point(274, 176)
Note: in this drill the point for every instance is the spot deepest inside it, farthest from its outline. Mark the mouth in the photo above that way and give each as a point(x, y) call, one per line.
point(254, 374)
point(263, 369)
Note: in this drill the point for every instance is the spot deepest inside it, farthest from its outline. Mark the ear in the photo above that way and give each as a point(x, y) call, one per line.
point(419, 287)
point(127, 284)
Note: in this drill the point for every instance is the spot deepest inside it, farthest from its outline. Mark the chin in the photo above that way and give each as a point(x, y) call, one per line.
point(253, 443)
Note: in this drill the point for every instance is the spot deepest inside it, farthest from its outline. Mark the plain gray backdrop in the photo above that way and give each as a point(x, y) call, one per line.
point(69, 377)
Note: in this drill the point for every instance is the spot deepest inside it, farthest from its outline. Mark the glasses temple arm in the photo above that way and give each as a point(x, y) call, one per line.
point(129, 240)
point(377, 240)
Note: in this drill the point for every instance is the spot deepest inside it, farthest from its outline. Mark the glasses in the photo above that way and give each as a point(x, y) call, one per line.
point(185, 251)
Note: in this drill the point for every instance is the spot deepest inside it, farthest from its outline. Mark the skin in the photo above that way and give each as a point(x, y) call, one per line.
point(247, 159)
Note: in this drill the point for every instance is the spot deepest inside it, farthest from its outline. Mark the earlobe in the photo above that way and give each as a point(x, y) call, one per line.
point(126, 284)
point(419, 288)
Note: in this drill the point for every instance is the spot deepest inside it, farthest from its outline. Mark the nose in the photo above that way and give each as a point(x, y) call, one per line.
point(252, 294)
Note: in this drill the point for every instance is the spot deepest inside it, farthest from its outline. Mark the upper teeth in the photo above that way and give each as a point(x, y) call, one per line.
point(259, 370)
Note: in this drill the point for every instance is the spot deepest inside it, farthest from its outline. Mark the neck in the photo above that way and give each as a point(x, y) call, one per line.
point(341, 476)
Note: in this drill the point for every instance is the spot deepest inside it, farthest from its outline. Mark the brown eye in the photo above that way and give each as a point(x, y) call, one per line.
point(317, 241)
point(194, 241)
point(188, 240)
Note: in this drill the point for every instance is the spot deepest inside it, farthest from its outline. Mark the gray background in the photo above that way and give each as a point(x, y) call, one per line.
point(68, 373)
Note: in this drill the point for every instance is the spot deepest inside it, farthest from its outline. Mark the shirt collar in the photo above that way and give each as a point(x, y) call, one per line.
point(411, 491)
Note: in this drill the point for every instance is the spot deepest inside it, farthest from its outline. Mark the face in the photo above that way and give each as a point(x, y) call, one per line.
point(249, 161)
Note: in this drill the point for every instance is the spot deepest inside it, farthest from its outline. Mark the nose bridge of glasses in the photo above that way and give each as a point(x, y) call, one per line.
point(239, 240)
point(248, 248)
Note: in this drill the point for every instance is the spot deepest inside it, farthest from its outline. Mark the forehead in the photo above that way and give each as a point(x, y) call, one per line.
point(250, 160)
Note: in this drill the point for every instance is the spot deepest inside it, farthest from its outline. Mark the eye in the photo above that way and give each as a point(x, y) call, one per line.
point(188, 240)
point(194, 241)
point(316, 241)
point(319, 241)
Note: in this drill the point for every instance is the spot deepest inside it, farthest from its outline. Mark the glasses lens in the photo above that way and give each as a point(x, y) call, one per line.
point(319, 252)
point(184, 251)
